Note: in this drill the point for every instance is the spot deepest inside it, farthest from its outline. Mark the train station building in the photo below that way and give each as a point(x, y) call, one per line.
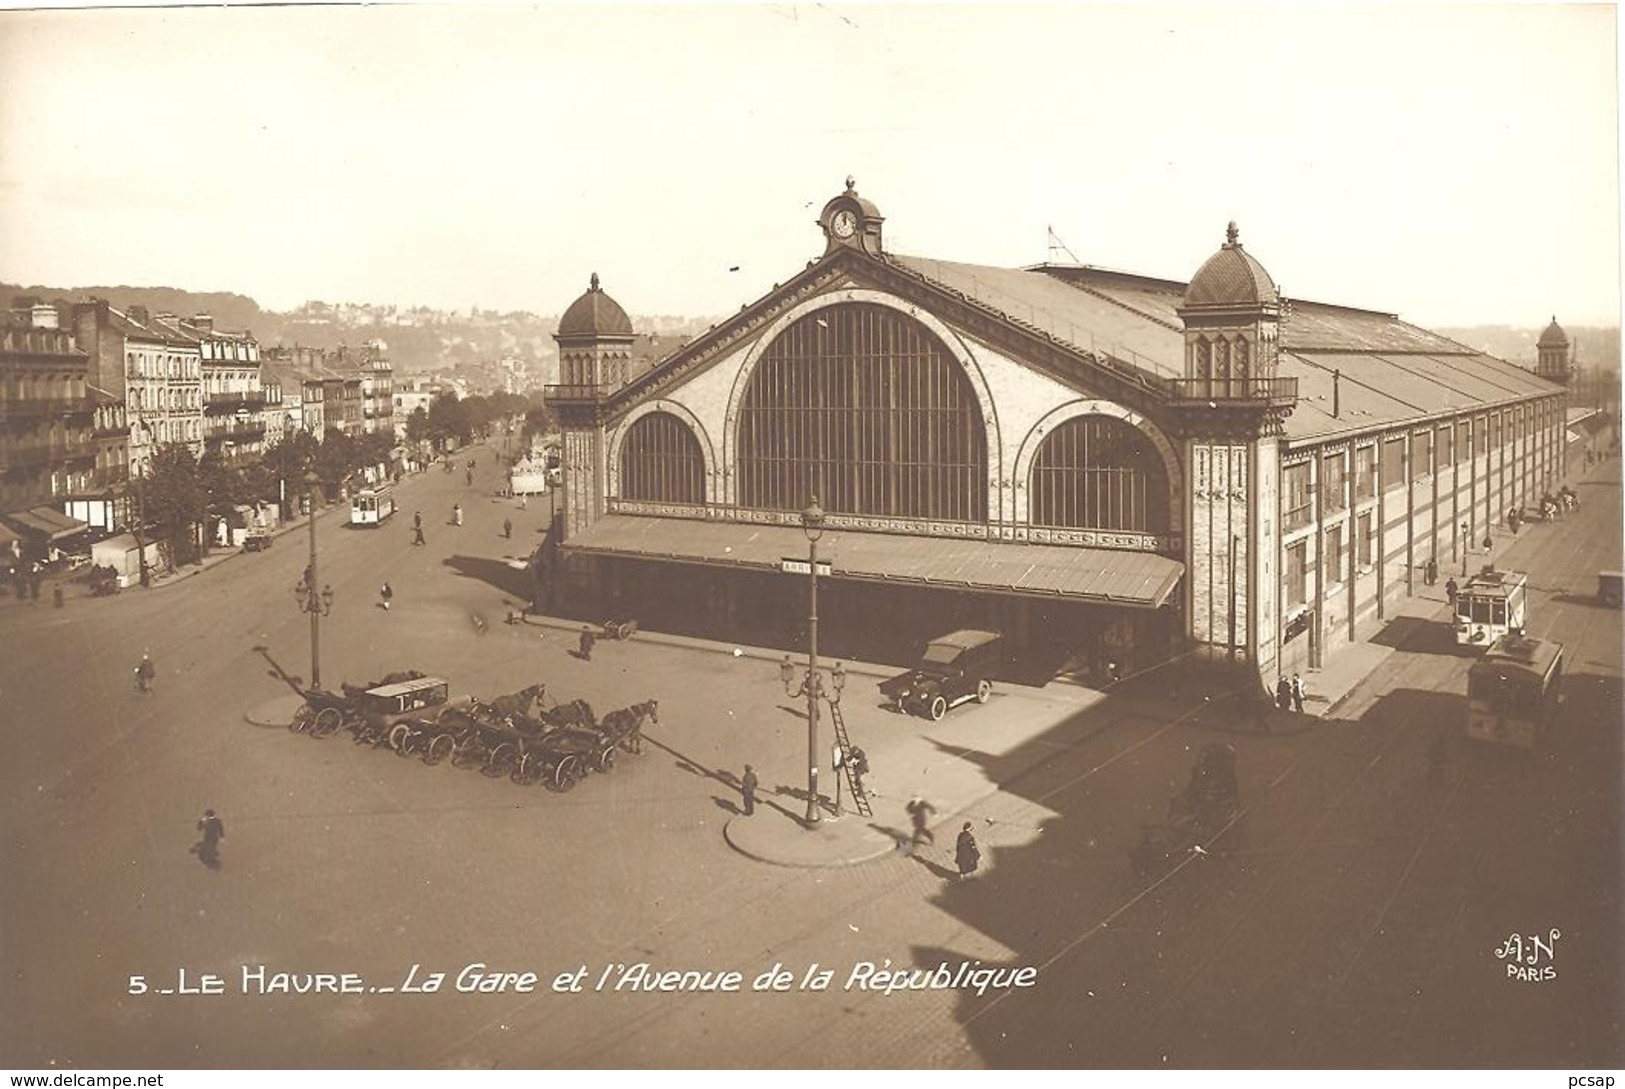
point(1106, 467)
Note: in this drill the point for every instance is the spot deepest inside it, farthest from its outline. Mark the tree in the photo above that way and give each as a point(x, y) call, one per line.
point(336, 459)
point(174, 500)
point(448, 419)
point(287, 463)
point(417, 426)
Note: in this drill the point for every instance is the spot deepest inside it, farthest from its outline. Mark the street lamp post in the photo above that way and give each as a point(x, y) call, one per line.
point(812, 524)
point(1466, 543)
point(316, 604)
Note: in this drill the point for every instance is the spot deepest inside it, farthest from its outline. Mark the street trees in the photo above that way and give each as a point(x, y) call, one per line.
point(173, 499)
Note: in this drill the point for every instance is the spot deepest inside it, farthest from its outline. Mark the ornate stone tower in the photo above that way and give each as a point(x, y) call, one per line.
point(1553, 360)
point(1230, 406)
point(595, 345)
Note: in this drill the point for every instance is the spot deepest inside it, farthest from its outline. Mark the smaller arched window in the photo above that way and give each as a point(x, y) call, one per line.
point(1240, 364)
point(661, 461)
point(1204, 358)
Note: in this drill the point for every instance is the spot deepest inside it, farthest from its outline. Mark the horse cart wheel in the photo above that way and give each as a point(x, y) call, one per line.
point(302, 719)
point(327, 720)
point(400, 739)
point(565, 773)
point(440, 748)
point(606, 759)
point(502, 759)
point(527, 770)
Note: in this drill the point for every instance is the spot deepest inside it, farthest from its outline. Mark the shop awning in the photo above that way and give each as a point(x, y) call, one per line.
point(1138, 579)
point(48, 522)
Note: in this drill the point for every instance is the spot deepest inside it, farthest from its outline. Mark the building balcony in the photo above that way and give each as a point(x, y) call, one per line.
point(1240, 392)
point(22, 454)
point(244, 431)
point(580, 393)
point(252, 399)
point(28, 407)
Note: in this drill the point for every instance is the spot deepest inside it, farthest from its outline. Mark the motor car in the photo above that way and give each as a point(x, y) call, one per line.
point(1610, 587)
point(256, 542)
point(955, 668)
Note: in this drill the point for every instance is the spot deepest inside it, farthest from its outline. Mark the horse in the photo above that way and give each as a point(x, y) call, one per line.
point(626, 725)
point(574, 713)
point(518, 703)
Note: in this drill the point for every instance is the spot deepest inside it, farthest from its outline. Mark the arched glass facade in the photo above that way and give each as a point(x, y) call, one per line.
point(866, 409)
point(1098, 472)
point(661, 461)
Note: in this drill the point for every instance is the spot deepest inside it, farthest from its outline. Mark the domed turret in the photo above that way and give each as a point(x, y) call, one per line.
point(1552, 359)
point(1554, 336)
point(1231, 277)
point(595, 314)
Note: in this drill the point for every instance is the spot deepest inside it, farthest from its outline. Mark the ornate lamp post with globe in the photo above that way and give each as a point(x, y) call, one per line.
point(316, 604)
point(812, 685)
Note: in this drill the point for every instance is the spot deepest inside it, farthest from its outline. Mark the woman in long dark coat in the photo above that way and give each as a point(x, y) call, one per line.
point(966, 853)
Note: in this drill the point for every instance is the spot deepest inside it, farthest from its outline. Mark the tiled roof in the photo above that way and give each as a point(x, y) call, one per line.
point(1553, 337)
point(1231, 277)
point(1086, 320)
point(1391, 371)
point(595, 314)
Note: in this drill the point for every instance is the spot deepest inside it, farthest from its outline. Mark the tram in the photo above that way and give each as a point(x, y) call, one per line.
point(1490, 605)
point(371, 506)
point(1512, 692)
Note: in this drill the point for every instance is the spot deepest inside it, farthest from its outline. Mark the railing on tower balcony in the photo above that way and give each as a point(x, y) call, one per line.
point(1236, 391)
point(583, 391)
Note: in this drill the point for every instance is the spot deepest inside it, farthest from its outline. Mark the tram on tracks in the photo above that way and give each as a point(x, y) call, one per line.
point(1491, 604)
point(372, 506)
point(1513, 691)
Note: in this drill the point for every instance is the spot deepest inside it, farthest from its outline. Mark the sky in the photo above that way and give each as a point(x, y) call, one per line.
point(1455, 164)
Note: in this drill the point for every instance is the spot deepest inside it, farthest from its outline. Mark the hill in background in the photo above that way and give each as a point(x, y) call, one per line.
point(419, 339)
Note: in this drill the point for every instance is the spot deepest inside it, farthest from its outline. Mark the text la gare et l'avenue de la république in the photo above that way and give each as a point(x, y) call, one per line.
point(876, 977)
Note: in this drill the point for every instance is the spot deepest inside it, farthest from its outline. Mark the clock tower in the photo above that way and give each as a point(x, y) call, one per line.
point(849, 220)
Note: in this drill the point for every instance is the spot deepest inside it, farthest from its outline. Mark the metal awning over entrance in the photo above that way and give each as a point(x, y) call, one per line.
point(49, 523)
point(1138, 579)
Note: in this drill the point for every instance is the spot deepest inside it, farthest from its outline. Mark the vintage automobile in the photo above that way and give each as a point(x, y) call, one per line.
point(1610, 587)
point(257, 540)
point(955, 668)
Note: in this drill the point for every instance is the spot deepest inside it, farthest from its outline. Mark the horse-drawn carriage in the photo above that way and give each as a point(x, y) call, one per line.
point(413, 715)
point(619, 629)
point(1197, 815)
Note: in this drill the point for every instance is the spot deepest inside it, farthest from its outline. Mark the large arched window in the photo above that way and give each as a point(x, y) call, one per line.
point(661, 461)
point(866, 409)
point(1098, 472)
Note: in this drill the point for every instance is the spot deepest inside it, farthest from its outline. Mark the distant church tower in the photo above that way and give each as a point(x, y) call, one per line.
point(1553, 360)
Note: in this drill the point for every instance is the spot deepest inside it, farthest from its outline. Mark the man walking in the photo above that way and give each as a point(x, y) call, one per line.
point(208, 849)
point(387, 593)
point(747, 790)
point(919, 811)
point(145, 674)
point(584, 651)
point(1450, 591)
point(1283, 693)
point(1297, 693)
point(507, 528)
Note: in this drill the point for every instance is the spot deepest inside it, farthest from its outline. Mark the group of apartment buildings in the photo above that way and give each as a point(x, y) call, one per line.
point(89, 392)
